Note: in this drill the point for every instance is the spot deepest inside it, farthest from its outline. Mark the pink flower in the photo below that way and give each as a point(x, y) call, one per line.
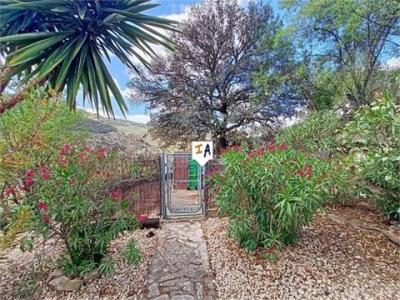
point(46, 219)
point(28, 182)
point(236, 148)
point(115, 195)
point(63, 161)
point(42, 206)
point(29, 174)
point(66, 149)
point(44, 173)
point(141, 218)
point(9, 190)
point(260, 151)
point(306, 172)
point(282, 147)
point(252, 154)
point(101, 153)
point(270, 147)
point(88, 149)
point(82, 156)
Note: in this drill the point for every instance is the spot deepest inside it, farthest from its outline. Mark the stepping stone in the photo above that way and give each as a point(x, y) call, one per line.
point(186, 275)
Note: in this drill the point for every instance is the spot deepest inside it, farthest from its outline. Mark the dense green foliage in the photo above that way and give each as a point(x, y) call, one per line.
point(349, 40)
point(86, 210)
point(269, 194)
point(30, 135)
point(314, 134)
point(32, 131)
point(372, 138)
point(64, 41)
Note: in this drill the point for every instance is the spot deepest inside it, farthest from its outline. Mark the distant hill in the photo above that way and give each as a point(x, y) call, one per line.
point(118, 133)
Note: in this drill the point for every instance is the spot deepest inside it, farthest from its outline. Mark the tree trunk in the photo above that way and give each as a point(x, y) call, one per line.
point(222, 142)
point(12, 101)
point(6, 104)
point(4, 82)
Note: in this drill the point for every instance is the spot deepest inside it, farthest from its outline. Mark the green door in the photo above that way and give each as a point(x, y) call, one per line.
point(193, 174)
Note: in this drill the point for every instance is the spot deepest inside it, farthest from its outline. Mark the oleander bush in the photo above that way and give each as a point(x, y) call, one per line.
point(78, 200)
point(270, 193)
point(314, 134)
point(33, 131)
point(30, 134)
point(372, 141)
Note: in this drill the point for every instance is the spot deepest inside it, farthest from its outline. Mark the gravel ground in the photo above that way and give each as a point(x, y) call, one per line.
point(331, 261)
point(127, 282)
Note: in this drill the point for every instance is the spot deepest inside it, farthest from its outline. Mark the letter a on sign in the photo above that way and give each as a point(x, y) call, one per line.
point(202, 152)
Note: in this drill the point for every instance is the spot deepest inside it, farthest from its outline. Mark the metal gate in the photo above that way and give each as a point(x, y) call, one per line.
point(182, 185)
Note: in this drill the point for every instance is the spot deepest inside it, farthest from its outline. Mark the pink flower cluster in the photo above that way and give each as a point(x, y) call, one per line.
point(9, 190)
point(305, 171)
point(44, 208)
point(44, 173)
point(269, 147)
point(141, 218)
point(28, 180)
point(101, 153)
point(84, 155)
point(66, 149)
point(115, 195)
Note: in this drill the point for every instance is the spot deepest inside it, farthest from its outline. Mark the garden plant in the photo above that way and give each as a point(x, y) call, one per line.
point(270, 193)
point(76, 200)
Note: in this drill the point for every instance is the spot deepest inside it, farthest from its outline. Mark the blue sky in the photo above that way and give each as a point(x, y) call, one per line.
point(174, 9)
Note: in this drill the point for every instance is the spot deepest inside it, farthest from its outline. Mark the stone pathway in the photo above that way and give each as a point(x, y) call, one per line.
point(180, 268)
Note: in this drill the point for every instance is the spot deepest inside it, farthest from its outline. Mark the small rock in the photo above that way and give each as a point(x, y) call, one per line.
point(64, 284)
point(394, 228)
point(55, 274)
point(162, 297)
point(182, 297)
point(90, 276)
point(153, 290)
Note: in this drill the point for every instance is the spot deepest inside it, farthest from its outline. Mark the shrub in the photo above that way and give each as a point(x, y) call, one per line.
point(76, 199)
point(372, 139)
point(315, 133)
point(270, 193)
point(31, 133)
point(131, 253)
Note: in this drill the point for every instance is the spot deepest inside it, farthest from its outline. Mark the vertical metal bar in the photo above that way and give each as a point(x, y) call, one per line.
point(162, 172)
point(202, 184)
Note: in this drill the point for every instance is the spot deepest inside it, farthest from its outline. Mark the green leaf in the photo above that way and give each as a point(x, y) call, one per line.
point(29, 36)
point(34, 50)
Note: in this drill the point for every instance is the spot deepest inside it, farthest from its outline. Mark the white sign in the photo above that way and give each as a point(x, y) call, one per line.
point(202, 152)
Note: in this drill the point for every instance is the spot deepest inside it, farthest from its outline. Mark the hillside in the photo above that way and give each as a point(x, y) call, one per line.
point(118, 133)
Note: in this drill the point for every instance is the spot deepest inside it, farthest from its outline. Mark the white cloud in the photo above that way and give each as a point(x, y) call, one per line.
point(179, 17)
point(392, 64)
point(143, 119)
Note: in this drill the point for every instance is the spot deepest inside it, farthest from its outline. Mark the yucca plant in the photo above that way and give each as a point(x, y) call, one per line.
point(62, 43)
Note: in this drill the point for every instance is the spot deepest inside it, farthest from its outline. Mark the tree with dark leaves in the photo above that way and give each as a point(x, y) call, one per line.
point(211, 86)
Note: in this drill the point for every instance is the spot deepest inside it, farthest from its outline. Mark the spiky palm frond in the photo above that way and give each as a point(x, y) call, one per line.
point(65, 41)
